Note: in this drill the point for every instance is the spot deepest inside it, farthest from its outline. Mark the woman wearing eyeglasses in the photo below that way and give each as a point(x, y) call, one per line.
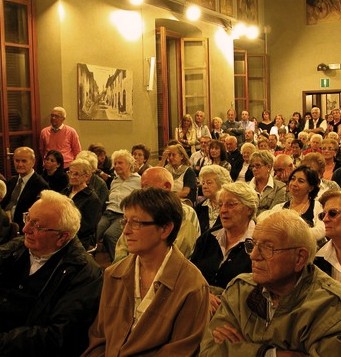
point(303, 185)
point(85, 200)
point(328, 258)
point(269, 190)
point(329, 149)
point(154, 302)
point(219, 252)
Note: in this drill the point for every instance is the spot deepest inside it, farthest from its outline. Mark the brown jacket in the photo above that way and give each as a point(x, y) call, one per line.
point(173, 324)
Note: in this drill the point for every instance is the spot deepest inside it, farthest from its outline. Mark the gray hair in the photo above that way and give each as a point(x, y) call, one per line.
point(218, 119)
point(248, 146)
point(69, 217)
point(60, 110)
point(3, 189)
point(264, 155)
point(289, 223)
point(316, 136)
point(89, 156)
point(84, 164)
point(26, 150)
point(126, 155)
point(222, 175)
point(245, 193)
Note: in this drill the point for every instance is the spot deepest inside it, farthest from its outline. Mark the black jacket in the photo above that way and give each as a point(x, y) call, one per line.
point(208, 257)
point(90, 208)
point(54, 323)
point(28, 196)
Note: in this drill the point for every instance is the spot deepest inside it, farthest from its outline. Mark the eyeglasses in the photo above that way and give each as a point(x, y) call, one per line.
point(328, 148)
point(229, 204)
point(74, 174)
point(56, 116)
point(135, 224)
point(256, 166)
point(35, 225)
point(265, 250)
point(332, 213)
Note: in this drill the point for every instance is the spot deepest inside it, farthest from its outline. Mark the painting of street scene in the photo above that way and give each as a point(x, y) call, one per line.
point(104, 93)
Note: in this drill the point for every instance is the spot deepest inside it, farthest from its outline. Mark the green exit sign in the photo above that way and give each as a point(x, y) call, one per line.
point(324, 82)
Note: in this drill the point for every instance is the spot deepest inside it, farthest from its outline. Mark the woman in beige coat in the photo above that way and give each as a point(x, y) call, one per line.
point(154, 302)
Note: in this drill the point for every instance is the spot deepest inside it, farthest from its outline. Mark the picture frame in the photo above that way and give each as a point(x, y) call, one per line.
point(104, 93)
point(322, 11)
point(247, 11)
point(226, 7)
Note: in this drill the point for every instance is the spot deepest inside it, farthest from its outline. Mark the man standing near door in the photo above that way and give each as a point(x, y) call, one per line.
point(60, 137)
point(24, 189)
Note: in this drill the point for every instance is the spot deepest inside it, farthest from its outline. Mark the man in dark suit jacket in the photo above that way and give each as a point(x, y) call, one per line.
point(27, 182)
point(234, 157)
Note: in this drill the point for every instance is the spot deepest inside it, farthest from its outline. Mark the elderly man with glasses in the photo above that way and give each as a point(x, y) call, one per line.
point(59, 136)
point(286, 307)
point(49, 285)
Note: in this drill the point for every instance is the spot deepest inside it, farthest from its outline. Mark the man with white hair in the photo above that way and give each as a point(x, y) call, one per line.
point(286, 306)
point(59, 136)
point(316, 124)
point(49, 285)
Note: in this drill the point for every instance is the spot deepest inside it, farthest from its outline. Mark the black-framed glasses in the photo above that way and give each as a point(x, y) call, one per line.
point(332, 213)
point(35, 225)
point(265, 250)
point(135, 224)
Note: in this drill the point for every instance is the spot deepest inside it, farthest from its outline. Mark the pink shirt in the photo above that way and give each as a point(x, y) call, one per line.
point(65, 140)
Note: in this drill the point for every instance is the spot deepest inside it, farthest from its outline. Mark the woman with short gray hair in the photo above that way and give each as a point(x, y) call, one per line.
point(219, 252)
point(270, 191)
point(211, 178)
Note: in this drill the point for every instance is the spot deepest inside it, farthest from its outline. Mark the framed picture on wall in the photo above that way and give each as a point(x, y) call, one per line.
point(247, 10)
point(226, 7)
point(104, 93)
point(322, 11)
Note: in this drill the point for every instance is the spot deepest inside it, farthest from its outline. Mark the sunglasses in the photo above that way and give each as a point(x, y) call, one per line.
point(332, 213)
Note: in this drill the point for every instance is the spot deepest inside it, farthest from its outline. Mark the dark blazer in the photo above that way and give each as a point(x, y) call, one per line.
point(28, 196)
point(90, 208)
point(204, 221)
point(235, 158)
point(208, 258)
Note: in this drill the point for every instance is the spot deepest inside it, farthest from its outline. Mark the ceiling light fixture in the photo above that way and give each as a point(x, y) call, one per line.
point(193, 13)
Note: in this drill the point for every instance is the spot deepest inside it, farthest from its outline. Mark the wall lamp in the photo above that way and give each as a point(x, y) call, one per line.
point(326, 67)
